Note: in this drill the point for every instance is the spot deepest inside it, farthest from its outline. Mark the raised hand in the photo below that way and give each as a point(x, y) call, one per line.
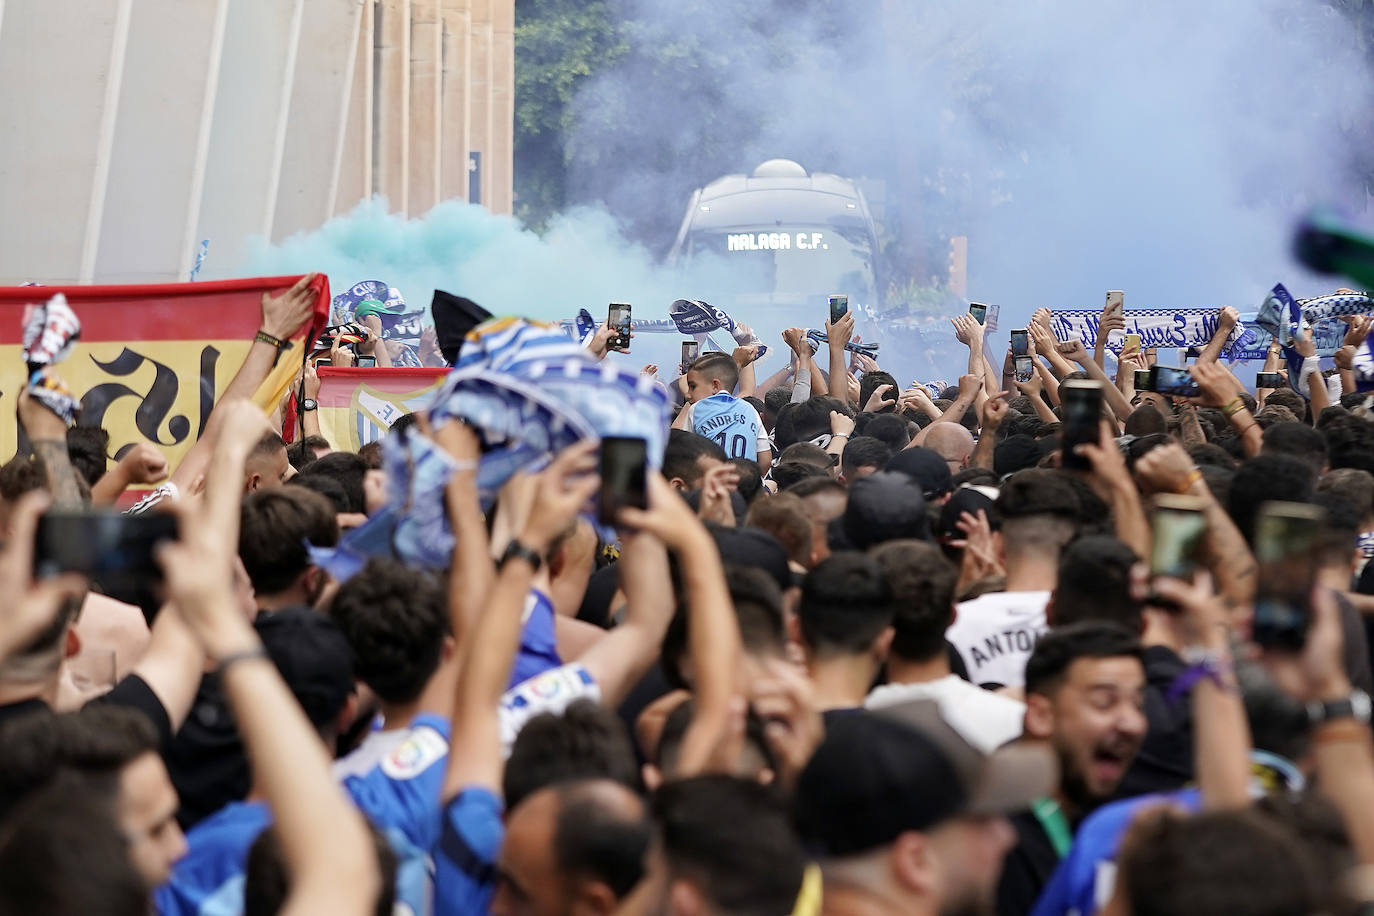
point(841, 332)
point(1073, 350)
point(143, 464)
point(879, 399)
point(284, 313)
point(1219, 386)
point(716, 486)
point(561, 491)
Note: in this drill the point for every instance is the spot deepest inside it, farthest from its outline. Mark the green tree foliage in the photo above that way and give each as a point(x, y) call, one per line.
point(559, 44)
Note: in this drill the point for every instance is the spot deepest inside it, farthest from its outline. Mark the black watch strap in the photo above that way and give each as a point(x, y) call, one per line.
point(516, 550)
point(1357, 706)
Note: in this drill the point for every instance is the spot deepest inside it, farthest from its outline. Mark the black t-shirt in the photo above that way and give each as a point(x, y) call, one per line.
point(1027, 868)
point(1165, 761)
point(134, 693)
point(19, 709)
point(207, 760)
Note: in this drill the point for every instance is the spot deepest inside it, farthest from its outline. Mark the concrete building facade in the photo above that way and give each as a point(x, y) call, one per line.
point(136, 128)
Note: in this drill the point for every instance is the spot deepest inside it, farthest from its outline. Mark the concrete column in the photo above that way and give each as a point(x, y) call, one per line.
point(61, 63)
point(455, 108)
point(317, 128)
point(248, 131)
point(161, 140)
point(357, 146)
point(391, 116)
point(501, 165)
point(426, 101)
point(479, 92)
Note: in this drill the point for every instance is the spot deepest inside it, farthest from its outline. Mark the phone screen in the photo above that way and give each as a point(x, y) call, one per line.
point(1268, 380)
point(113, 550)
point(619, 319)
point(1172, 381)
point(690, 351)
point(1025, 368)
point(839, 307)
point(1142, 380)
point(624, 479)
point(1020, 342)
point(1082, 403)
point(1286, 542)
point(1177, 526)
point(367, 361)
point(979, 311)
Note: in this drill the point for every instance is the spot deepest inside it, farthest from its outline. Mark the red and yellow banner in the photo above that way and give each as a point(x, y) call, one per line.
point(152, 359)
point(358, 406)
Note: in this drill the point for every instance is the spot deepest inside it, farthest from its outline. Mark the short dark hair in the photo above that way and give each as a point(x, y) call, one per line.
point(1296, 439)
point(1286, 397)
point(776, 398)
point(874, 380)
point(799, 420)
point(820, 483)
point(806, 453)
point(327, 487)
point(314, 660)
point(734, 839)
point(587, 741)
point(864, 452)
point(267, 882)
point(274, 525)
point(1058, 649)
point(1354, 485)
point(1340, 528)
point(302, 451)
point(1095, 583)
point(396, 620)
point(720, 367)
point(371, 453)
point(1350, 443)
point(1252, 867)
point(783, 515)
point(922, 583)
point(86, 448)
point(682, 456)
point(346, 468)
point(63, 853)
point(758, 608)
point(1264, 478)
point(270, 443)
point(787, 474)
point(846, 603)
point(1209, 453)
point(21, 474)
point(1146, 420)
point(594, 840)
point(750, 479)
point(890, 429)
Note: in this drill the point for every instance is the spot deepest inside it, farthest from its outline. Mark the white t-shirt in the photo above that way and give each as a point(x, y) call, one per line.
point(995, 634)
point(986, 720)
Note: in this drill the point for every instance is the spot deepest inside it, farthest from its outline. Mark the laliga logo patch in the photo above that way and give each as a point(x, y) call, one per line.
point(424, 748)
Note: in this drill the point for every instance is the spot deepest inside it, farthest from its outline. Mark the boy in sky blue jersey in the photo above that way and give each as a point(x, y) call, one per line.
point(714, 412)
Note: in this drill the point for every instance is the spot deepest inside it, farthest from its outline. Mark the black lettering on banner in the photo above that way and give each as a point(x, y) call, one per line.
point(208, 358)
point(154, 406)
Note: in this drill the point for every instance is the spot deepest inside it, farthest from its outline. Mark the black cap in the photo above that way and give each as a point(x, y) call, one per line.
point(1016, 453)
point(880, 774)
point(754, 547)
point(313, 657)
point(926, 467)
point(454, 316)
point(886, 506)
point(966, 499)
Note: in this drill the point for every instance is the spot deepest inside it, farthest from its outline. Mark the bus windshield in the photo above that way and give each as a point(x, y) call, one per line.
point(789, 265)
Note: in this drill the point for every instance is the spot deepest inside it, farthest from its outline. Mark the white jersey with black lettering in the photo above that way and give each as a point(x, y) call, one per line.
point(995, 634)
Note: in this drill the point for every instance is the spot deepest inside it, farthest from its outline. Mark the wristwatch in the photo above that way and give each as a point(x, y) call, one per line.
point(1357, 706)
point(310, 404)
point(517, 551)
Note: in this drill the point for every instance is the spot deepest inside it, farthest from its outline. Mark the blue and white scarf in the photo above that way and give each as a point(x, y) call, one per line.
point(1158, 328)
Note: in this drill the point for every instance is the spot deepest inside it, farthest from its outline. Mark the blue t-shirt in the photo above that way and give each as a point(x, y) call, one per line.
point(400, 795)
point(1083, 882)
point(538, 646)
point(209, 879)
point(465, 859)
point(730, 422)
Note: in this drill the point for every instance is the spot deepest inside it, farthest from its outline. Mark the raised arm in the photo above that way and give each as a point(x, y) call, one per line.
point(713, 631)
point(994, 412)
point(837, 335)
point(1075, 351)
point(47, 434)
point(471, 573)
point(1113, 319)
point(1221, 389)
point(744, 358)
point(1128, 515)
point(475, 756)
point(328, 849)
point(282, 316)
point(143, 463)
point(1045, 344)
point(1226, 323)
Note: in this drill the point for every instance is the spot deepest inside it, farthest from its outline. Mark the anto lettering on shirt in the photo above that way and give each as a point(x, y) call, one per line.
point(1020, 640)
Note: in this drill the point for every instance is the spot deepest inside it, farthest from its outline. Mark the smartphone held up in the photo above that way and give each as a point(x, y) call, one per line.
point(839, 307)
point(618, 318)
point(624, 476)
point(1287, 550)
point(1081, 400)
point(114, 551)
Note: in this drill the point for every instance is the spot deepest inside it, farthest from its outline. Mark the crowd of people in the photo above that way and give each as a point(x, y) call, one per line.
point(863, 649)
